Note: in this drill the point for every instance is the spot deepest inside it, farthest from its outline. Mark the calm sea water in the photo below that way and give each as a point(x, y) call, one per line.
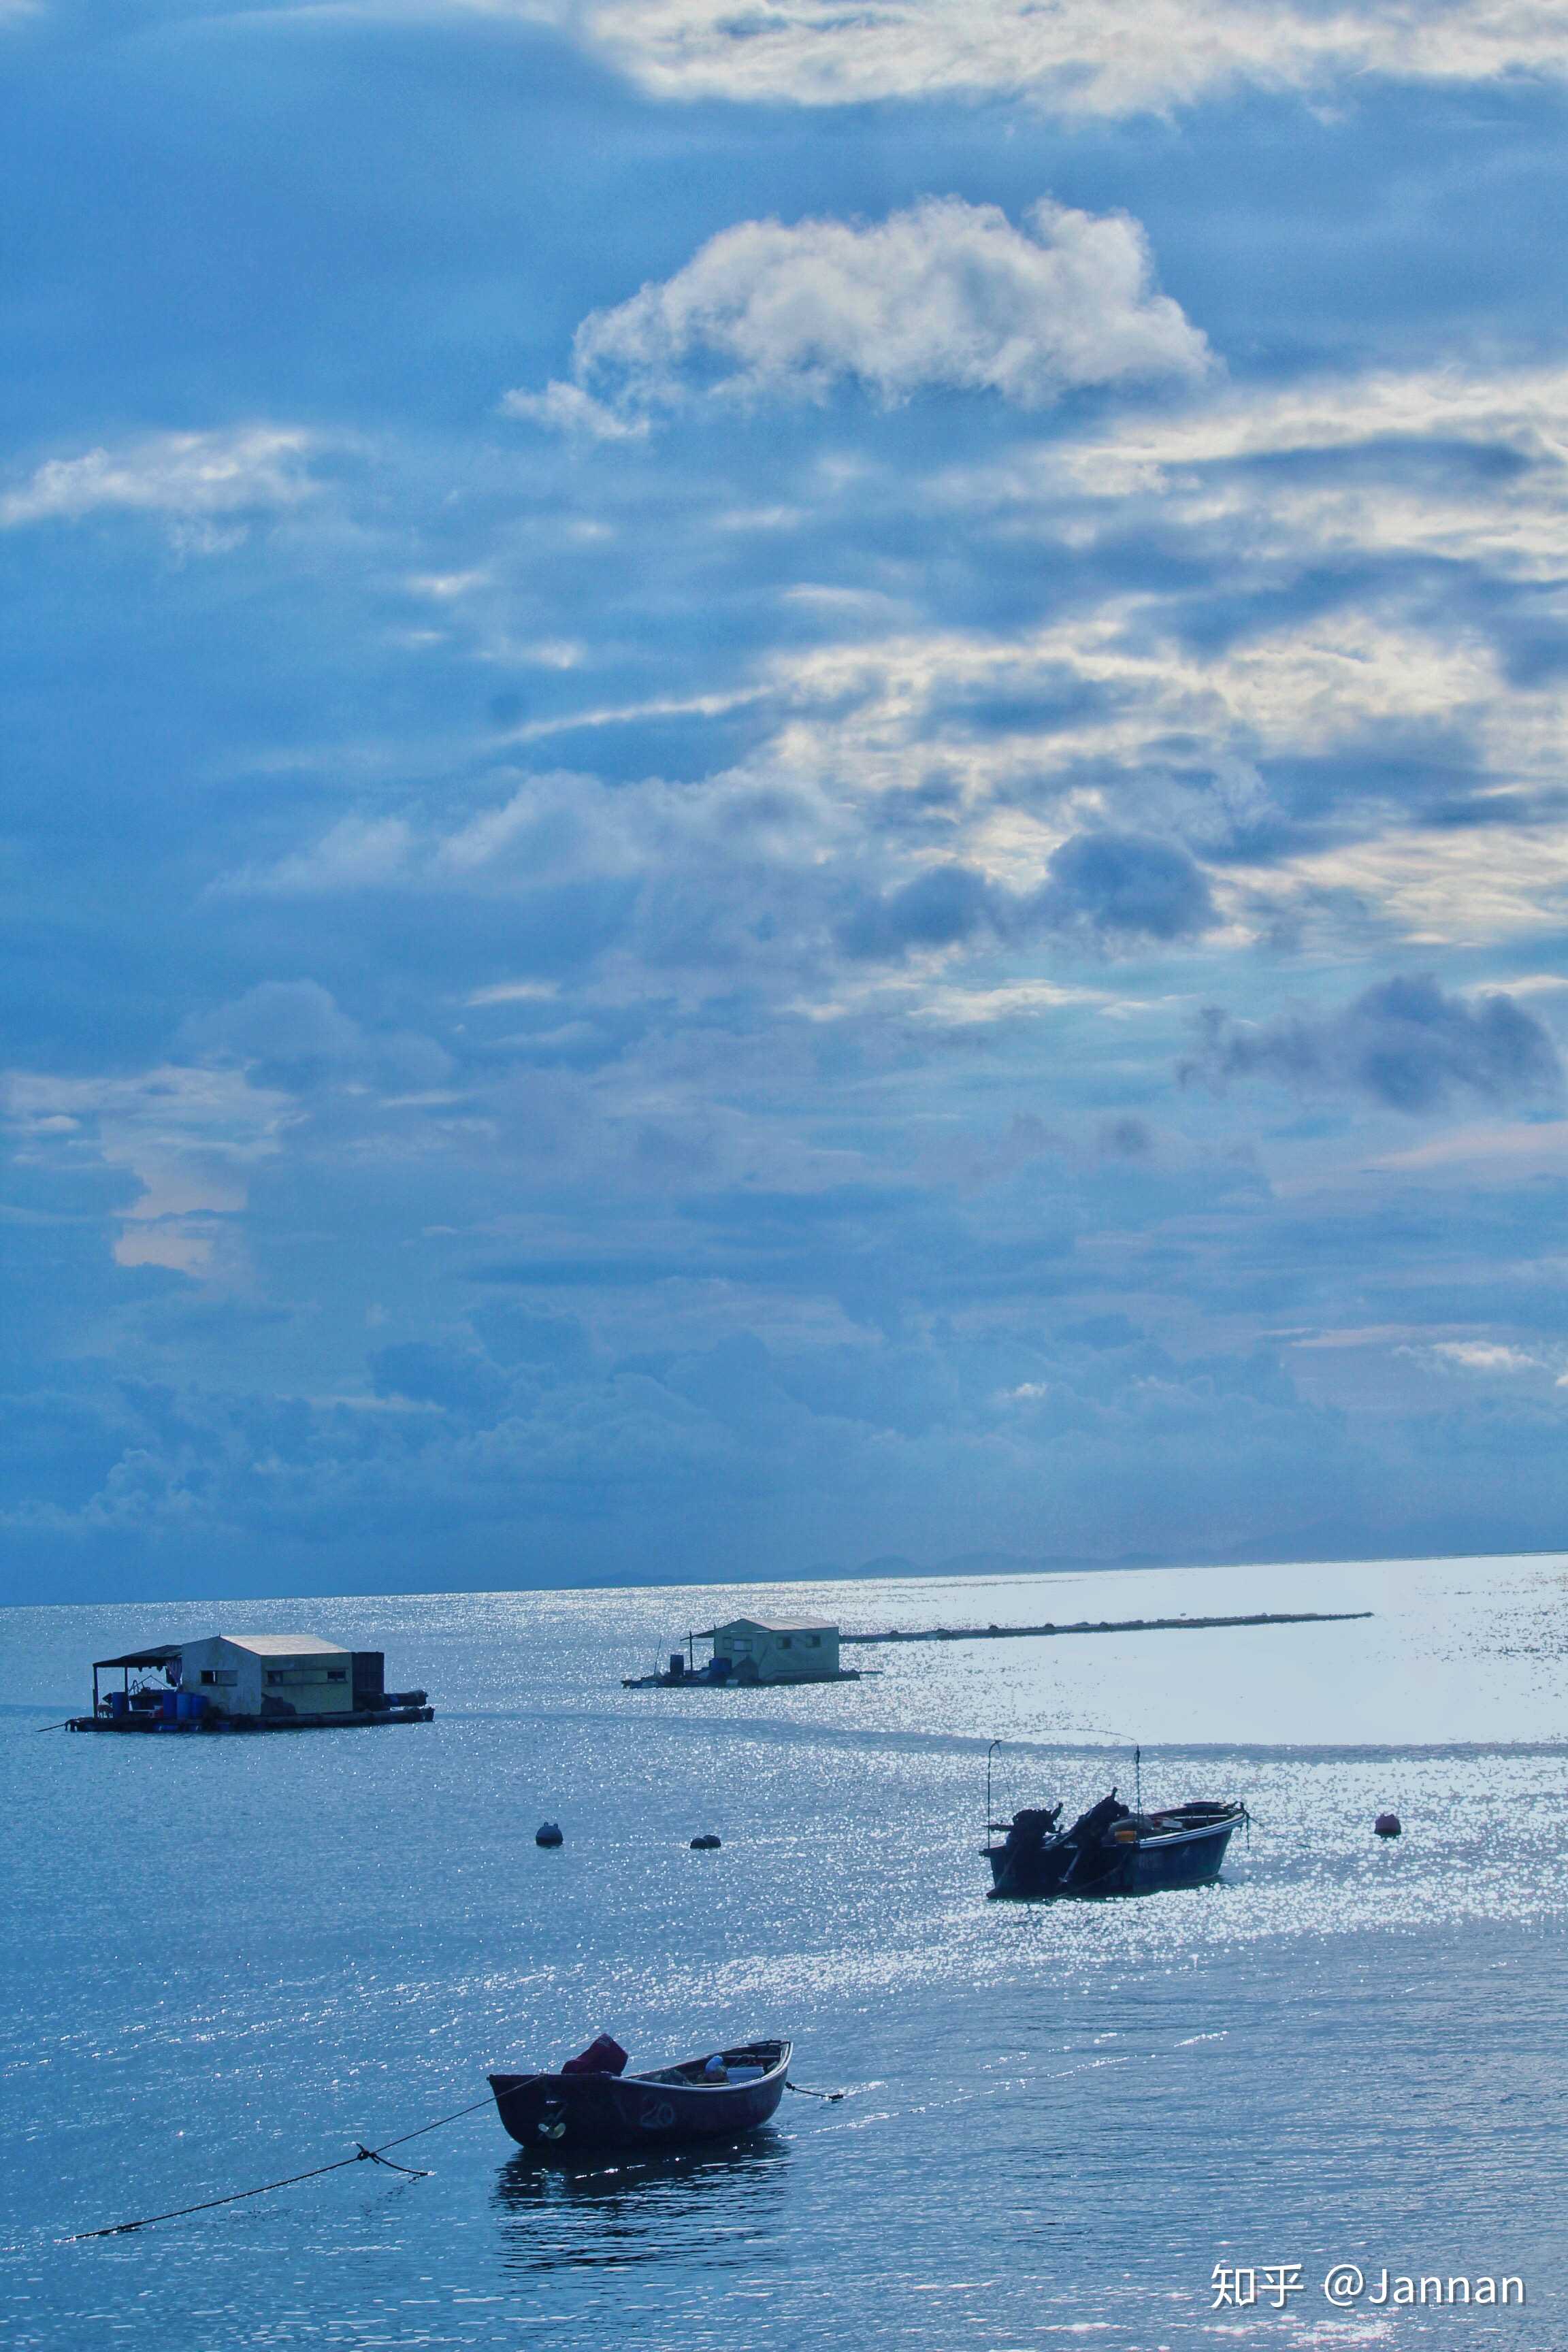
point(226, 1960)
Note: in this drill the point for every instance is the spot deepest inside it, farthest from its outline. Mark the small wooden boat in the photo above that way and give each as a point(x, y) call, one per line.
point(1111, 1850)
point(712, 2097)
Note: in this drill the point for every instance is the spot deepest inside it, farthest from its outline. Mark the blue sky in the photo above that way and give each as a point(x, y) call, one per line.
point(781, 786)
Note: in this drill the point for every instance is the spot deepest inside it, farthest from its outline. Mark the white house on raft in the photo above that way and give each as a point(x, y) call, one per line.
point(776, 1649)
point(239, 1673)
point(247, 1682)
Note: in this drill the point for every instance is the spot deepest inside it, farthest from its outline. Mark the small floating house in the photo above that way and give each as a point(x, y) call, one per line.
point(248, 1682)
point(777, 1649)
point(752, 1649)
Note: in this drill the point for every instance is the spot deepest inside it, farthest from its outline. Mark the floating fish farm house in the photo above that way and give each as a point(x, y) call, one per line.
point(247, 1682)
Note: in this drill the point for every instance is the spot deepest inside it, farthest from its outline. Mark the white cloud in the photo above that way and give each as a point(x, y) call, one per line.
point(1521, 1150)
point(1112, 711)
point(1198, 469)
point(446, 587)
point(567, 408)
point(945, 295)
point(190, 478)
point(277, 1021)
point(1527, 408)
point(515, 991)
point(1077, 56)
point(860, 710)
point(188, 1134)
point(1481, 1356)
point(1531, 984)
point(964, 1008)
point(358, 853)
point(1441, 886)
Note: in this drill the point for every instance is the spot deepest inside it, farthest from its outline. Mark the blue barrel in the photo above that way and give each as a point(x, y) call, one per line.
point(170, 1707)
point(192, 1706)
point(118, 1703)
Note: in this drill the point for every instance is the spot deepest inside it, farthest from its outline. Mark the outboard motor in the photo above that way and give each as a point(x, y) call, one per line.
point(1033, 1825)
point(1091, 1827)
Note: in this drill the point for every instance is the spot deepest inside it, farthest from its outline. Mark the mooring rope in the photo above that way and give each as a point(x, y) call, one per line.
point(801, 2091)
point(237, 2197)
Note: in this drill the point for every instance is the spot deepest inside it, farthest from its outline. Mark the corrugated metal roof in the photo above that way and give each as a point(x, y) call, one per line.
point(285, 1645)
point(774, 1625)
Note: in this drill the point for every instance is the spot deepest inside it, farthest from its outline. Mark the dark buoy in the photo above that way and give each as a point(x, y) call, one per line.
point(707, 1844)
point(548, 1833)
point(1387, 1825)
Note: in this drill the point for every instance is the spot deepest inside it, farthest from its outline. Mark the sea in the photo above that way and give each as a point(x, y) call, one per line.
point(1243, 2116)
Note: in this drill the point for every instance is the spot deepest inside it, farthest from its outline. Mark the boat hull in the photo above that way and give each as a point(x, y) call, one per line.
point(1145, 1865)
point(560, 2114)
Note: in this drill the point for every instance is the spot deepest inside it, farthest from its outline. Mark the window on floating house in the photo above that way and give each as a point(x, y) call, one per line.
point(217, 1675)
point(785, 1642)
point(813, 1641)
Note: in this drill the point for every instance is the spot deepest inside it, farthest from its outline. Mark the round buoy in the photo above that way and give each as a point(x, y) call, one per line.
point(1387, 1825)
point(548, 1833)
point(707, 1844)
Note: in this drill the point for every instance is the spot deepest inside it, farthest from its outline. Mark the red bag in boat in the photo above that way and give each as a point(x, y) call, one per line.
point(602, 2056)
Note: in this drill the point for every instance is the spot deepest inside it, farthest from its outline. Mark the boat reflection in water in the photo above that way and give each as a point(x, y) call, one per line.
point(643, 2209)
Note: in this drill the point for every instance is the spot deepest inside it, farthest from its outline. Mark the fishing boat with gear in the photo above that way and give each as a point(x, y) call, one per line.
point(592, 2102)
point(1110, 1848)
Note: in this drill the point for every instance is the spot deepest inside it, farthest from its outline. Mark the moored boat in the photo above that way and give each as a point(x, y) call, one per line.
point(1110, 1848)
point(718, 2095)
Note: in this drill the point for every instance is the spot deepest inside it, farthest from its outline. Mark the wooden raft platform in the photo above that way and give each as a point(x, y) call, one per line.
point(206, 1726)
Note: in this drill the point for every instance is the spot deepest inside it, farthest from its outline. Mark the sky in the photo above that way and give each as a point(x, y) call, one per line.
point(781, 786)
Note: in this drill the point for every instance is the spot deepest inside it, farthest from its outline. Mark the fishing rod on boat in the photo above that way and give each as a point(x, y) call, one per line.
point(1103, 1731)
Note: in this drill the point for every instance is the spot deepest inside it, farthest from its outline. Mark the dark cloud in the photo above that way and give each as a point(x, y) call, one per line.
point(941, 908)
point(1125, 885)
point(426, 1372)
point(514, 1335)
point(1127, 1137)
point(288, 1025)
point(1403, 1043)
point(1110, 1330)
point(1112, 888)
